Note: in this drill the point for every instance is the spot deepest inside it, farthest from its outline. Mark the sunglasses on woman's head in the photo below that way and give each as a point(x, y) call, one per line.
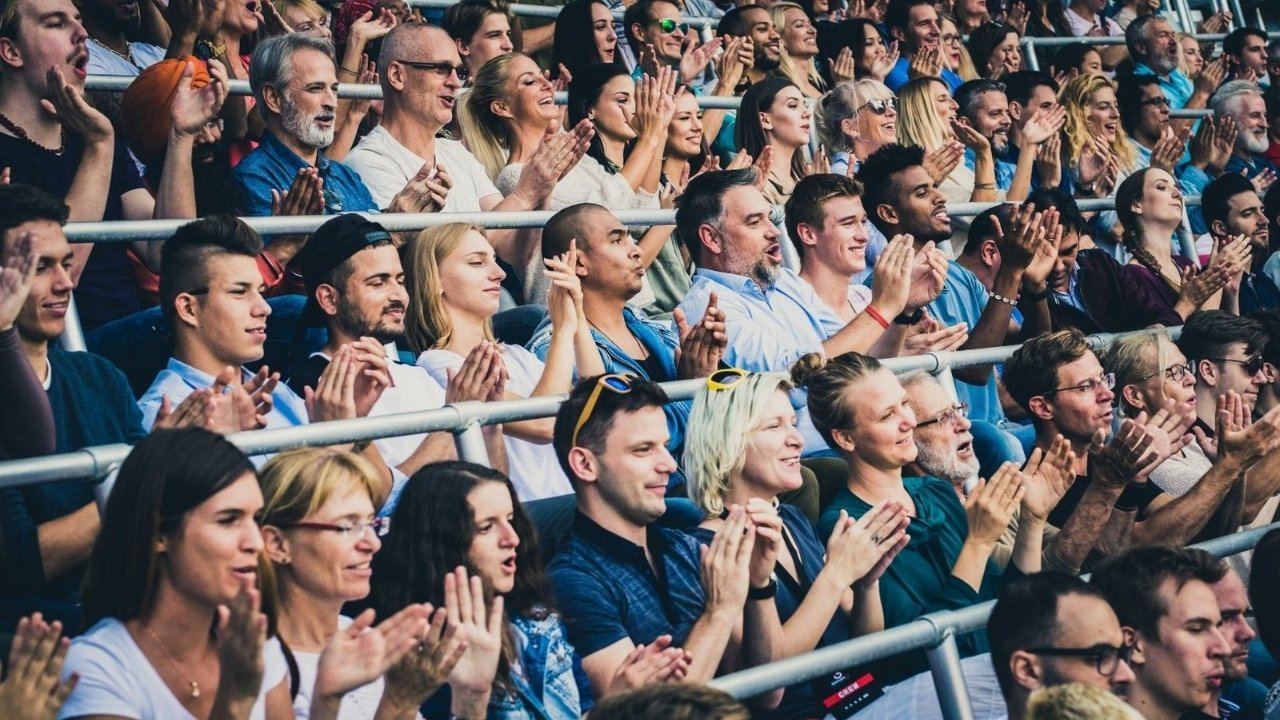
point(725, 379)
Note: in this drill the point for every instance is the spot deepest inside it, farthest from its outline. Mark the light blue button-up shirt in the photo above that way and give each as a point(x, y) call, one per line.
point(1178, 88)
point(769, 329)
point(178, 380)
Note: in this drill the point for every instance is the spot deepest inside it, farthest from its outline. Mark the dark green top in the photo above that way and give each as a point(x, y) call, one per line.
point(920, 581)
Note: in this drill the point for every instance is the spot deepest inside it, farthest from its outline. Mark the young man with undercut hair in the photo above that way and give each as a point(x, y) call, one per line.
point(212, 299)
point(1164, 598)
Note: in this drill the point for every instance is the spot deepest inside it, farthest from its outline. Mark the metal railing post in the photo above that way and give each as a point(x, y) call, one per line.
point(948, 678)
point(470, 443)
point(1184, 15)
point(1029, 53)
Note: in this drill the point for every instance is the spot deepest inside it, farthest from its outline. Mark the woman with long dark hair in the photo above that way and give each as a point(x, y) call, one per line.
point(457, 514)
point(577, 21)
point(774, 114)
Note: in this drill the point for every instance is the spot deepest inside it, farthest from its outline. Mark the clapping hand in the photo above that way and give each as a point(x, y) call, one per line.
point(192, 110)
point(857, 547)
point(304, 197)
point(241, 630)
point(1047, 476)
point(990, 506)
point(479, 628)
point(940, 162)
point(481, 377)
point(702, 346)
point(425, 669)
point(31, 689)
point(67, 103)
point(17, 274)
point(928, 336)
point(426, 191)
point(891, 278)
point(647, 664)
point(358, 655)
point(694, 57)
point(927, 62)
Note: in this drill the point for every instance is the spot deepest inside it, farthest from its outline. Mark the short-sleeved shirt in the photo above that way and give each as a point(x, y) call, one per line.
point(1081, 27)
point(386, 167)
point(103, 61)
point(106, 290)
point(273, 166)
point(117, 679)
point(178, 380)
point(1176, 86)
point(607, 591)
point(534, 469)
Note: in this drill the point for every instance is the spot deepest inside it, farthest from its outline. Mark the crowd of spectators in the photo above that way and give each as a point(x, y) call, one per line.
point(616, 557)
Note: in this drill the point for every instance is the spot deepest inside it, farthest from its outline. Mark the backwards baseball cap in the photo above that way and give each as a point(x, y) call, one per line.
point(330, 246)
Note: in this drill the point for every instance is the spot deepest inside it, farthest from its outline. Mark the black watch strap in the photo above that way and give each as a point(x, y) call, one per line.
point(910, 318)
point(765, 593)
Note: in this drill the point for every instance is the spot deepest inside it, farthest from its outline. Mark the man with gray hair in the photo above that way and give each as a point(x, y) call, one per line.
point(1242, 101)
point(1153, 46)
point(295, 82)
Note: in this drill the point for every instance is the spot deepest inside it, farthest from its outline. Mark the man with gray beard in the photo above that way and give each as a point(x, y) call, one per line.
point(1153, 46)
point(1242, 101)
point(944, 446)
point(295, 83)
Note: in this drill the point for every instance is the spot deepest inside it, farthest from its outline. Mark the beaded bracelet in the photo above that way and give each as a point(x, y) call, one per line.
point(1001, 298)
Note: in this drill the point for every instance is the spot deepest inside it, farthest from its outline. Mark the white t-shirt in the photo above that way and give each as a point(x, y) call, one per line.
point(117, 679)
point(360, 704)
point(534, 469)
point(386, 167)
point(1081, 27)
point(105, 62)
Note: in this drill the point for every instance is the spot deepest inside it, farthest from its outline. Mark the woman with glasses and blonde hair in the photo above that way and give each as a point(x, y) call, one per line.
point(179, 624)
point(454, 283)
point(320, 531)
point(927, 119)
point(744, 449)
point(799, 48)
point(1150, 373)
point(854, 120)
point(863, 413)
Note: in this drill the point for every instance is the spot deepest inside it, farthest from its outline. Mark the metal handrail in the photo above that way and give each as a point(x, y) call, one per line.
point(458, 418)
point(1029, 44)
point(924, 633)
point(130, 230)
point(551, 12)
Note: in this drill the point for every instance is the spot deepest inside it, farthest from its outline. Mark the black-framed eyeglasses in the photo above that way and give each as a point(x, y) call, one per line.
point(620, 384)
point(880, 106)
point(443, 69)
point(1106, 658)
point(1161, 102)
point(948, 416)
point(1252, 366)
point(1107, 380)
point(347, 530)
point(1173, 372)
point(668, 26)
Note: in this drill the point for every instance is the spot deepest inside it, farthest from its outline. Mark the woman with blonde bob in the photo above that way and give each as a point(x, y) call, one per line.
point(824, 596)
point(1096, 140)
point(854, 120)
point(927, 119)
point(1151, 371)
point(320, 532)
point(454, 280)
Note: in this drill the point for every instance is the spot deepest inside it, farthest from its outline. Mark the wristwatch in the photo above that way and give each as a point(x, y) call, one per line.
point(910, 318)
point(765, 593)
point(206, 50)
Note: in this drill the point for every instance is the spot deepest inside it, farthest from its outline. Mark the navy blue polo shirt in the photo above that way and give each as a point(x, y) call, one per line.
point(606, 590)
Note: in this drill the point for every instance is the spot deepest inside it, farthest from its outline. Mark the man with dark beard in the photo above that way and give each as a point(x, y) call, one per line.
point(355, 286)
point(753, 22)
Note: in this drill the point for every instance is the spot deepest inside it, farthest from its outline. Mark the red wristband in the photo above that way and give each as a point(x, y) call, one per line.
point(875, 315)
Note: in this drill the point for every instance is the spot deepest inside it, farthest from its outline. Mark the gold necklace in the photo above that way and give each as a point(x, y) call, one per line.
point(195, 686)
point(128, 53)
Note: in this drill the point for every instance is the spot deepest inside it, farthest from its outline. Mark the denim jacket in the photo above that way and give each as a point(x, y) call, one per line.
point(550, 683)
point(662, 341)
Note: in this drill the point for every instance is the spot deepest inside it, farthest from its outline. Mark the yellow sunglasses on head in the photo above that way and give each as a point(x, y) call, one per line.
point(620, 384)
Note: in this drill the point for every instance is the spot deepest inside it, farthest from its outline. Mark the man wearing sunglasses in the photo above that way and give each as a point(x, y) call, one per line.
point(1232, 210)
point(1225, 350)
point(1052, 628)
point(421, 75)
point(621, 579)
point(654, 29)
point(1164, 599)
point(1058, 380)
